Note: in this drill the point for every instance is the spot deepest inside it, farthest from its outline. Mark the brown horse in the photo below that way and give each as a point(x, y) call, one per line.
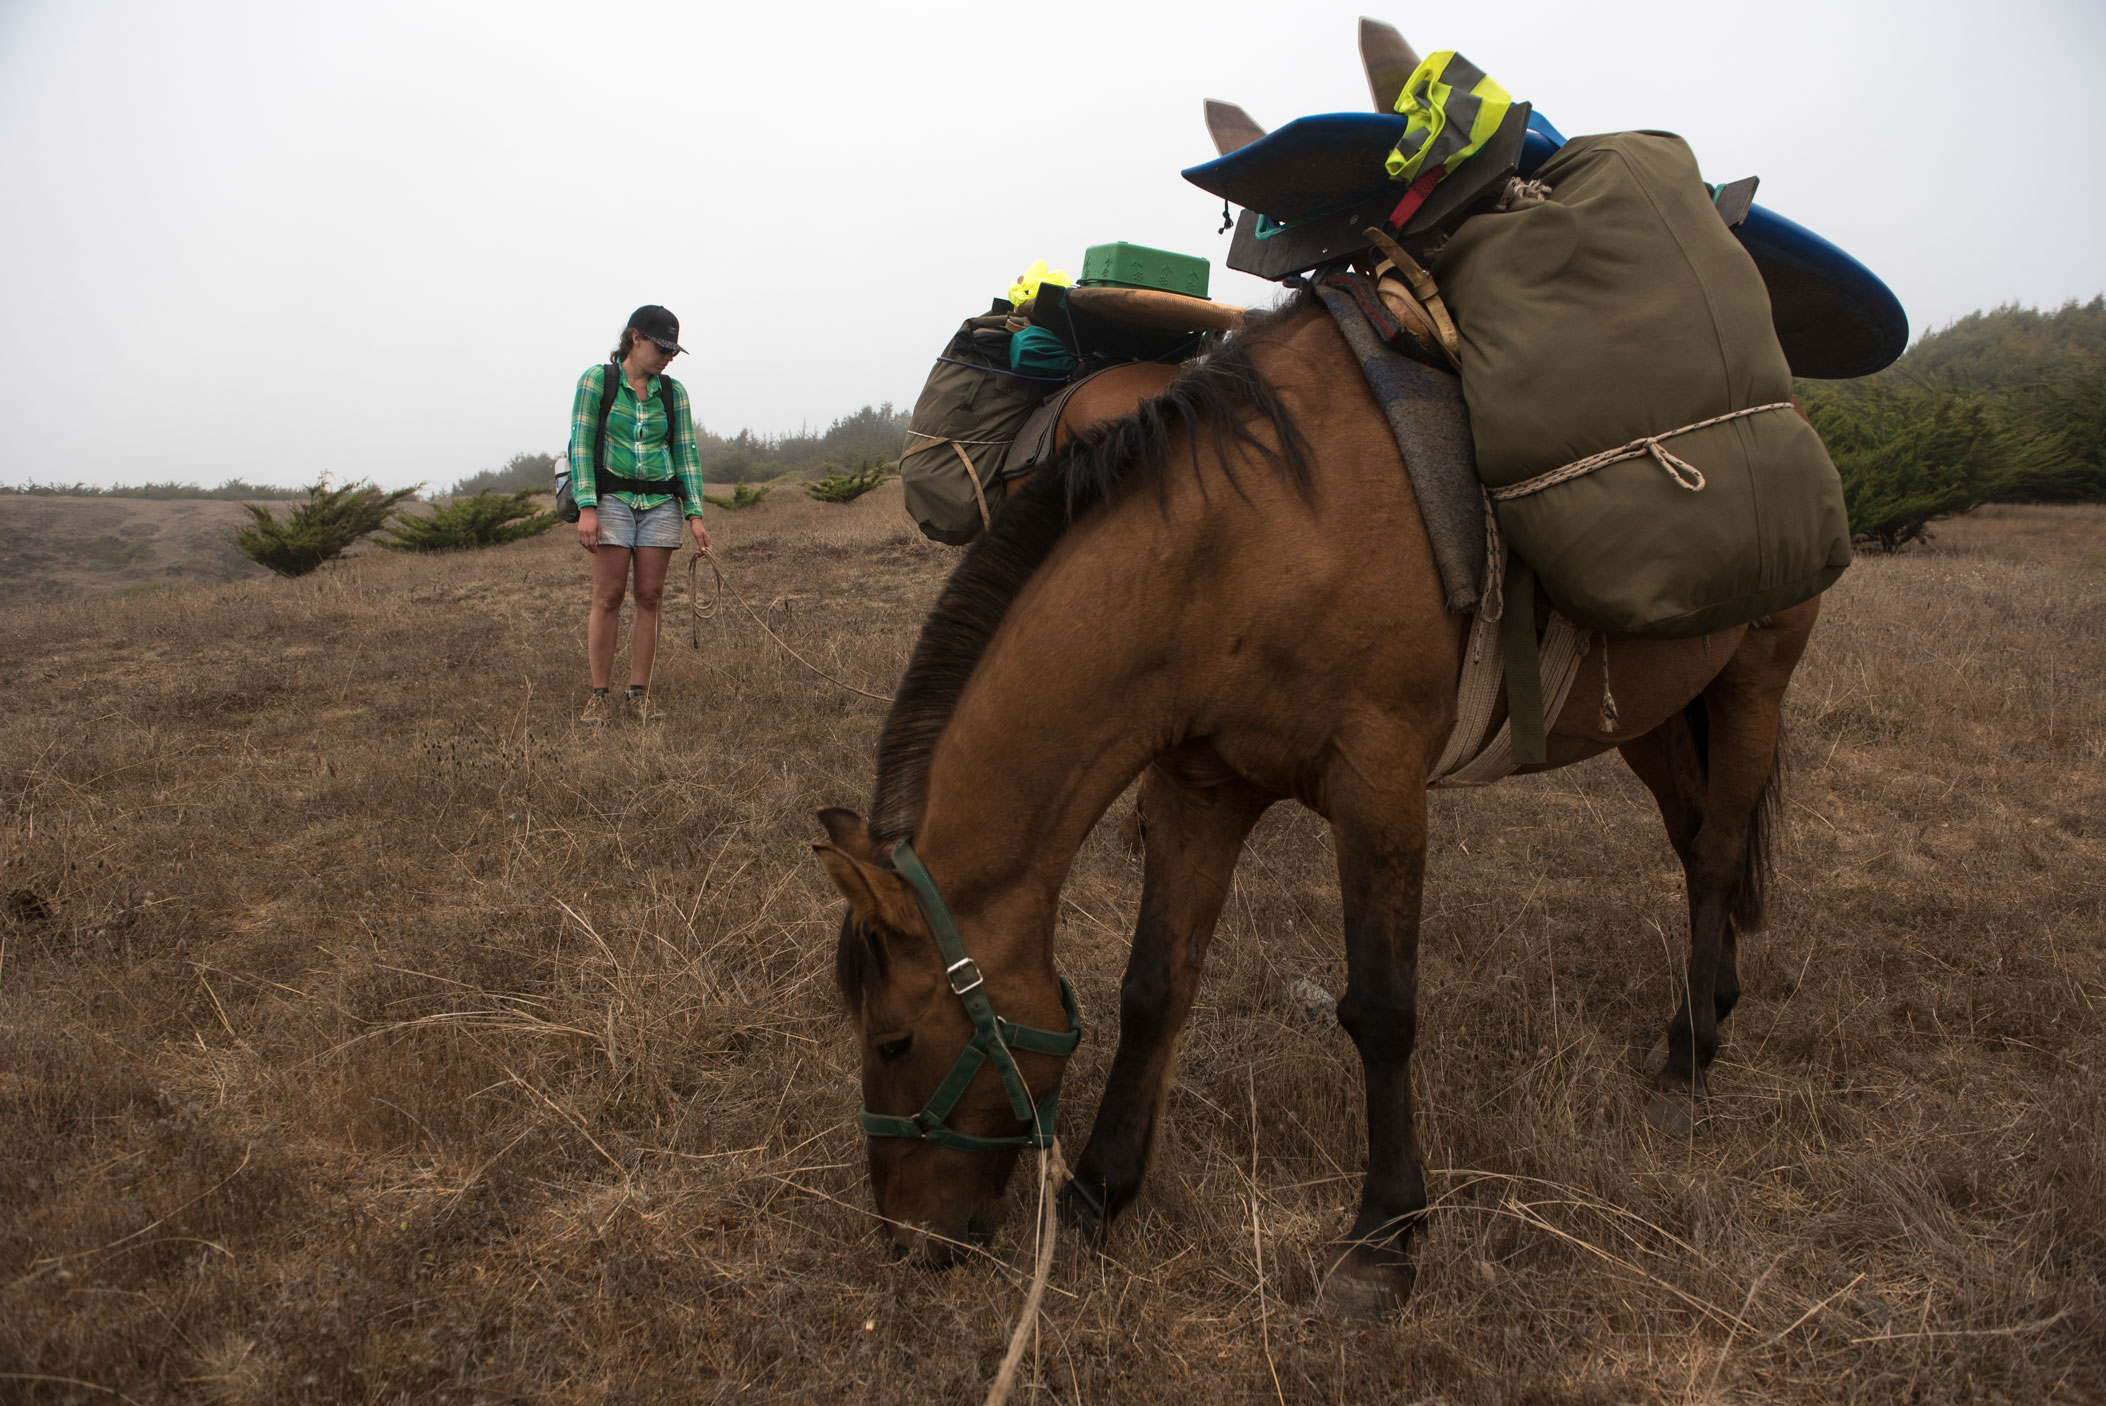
point(1232, 591)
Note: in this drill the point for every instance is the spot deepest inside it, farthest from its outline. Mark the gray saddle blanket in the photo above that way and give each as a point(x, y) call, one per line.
point(1425, 410)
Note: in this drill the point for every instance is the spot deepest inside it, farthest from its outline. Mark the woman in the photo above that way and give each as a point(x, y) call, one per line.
point(635, 472)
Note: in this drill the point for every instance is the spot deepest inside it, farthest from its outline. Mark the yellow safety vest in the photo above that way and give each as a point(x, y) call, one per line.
point(1452, 109)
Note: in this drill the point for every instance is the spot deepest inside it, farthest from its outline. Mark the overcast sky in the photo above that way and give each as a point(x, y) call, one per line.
point(273, 240)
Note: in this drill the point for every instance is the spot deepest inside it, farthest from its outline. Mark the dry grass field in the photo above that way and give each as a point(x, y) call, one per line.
point(65, 548)
point(368, 1033)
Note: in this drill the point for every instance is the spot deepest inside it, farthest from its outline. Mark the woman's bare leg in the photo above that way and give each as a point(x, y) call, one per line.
point(652, 563)
point(610, 580)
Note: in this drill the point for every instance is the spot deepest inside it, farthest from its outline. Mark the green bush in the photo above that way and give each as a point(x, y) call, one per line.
point(840, 487)
point(317, 530)
point(1908, 455)
point(2006, 406)
point(234, 488)
point(744, 496)
point(486, 520)
point(874, 432)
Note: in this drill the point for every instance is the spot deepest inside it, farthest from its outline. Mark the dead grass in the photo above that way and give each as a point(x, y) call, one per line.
point(59, 549)
point(368, 1034)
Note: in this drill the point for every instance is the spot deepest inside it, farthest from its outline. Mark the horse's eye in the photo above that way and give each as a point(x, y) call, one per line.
point(893, 1049)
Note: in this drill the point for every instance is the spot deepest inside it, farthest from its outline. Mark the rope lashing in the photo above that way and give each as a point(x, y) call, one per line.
point(1491, 600)
point(1685, 474)
point(1611, 719)
point(972, 475)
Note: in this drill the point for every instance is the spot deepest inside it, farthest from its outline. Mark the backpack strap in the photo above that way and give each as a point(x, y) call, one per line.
point(610, 387)
point(618, 483)
point(672, 430)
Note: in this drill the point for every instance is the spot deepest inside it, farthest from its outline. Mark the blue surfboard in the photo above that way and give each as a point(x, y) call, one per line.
point(1835, 318)
point(1305, 167)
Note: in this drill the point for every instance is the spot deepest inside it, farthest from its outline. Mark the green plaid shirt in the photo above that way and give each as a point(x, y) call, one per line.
point(640, 444)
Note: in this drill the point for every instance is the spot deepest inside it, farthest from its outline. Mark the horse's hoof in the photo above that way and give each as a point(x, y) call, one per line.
point(1082, 1214)
point(1366, 1291)
point(1369, 1280)
point(1669, 1111)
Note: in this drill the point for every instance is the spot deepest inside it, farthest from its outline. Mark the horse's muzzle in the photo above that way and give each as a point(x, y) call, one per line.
point(932, 1249)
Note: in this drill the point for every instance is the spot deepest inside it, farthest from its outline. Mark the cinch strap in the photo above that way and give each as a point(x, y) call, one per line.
point(993, 1039)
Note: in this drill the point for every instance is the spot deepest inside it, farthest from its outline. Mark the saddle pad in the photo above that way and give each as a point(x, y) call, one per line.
point(1426, 413)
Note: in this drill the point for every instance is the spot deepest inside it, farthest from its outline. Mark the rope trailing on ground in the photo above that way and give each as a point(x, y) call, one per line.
point(698, 612)
point(1052, 1173)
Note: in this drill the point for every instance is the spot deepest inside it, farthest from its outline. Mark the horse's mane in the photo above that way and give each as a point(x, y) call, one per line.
point(1207, 400)
point(1106, 462)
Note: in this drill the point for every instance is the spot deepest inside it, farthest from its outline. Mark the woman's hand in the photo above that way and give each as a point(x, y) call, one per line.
point(701, 535)
point(589, 529)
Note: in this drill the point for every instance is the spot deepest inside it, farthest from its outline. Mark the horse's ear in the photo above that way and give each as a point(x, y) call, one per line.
point(879, 897)
point(846, 831)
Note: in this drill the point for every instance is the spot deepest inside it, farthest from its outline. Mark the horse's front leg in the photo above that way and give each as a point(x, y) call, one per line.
point(1194, 820)
point(1381, 838)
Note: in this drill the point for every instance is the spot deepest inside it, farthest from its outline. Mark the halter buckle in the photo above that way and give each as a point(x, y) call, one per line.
point(964, 975)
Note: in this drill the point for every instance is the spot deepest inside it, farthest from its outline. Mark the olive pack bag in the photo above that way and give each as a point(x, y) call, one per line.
point(1629, 403)
point(969, 413)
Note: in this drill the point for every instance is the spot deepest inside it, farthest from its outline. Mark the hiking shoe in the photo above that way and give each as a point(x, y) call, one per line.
point(595, 714)
point(638, 705)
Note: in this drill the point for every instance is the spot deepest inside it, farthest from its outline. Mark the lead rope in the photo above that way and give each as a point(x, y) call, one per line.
point(698, 612)
point(1052, 1170)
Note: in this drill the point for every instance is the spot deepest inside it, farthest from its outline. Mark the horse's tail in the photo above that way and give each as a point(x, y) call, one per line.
point(1758, 853)
point(1758, 850)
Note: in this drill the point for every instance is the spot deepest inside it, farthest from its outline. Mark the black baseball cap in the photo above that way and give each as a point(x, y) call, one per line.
point(660, 326)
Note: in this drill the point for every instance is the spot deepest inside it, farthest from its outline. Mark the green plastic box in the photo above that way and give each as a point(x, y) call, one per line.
point(1124, 265)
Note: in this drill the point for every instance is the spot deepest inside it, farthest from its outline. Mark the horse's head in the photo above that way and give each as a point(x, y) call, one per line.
point(921, 1018)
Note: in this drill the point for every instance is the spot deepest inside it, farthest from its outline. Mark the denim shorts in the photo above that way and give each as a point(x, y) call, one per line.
point(623, 526)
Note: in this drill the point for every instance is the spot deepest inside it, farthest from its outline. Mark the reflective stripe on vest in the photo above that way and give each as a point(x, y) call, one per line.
point(1452, 109)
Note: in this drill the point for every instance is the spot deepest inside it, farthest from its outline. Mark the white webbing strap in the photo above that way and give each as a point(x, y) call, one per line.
point(1483, 678)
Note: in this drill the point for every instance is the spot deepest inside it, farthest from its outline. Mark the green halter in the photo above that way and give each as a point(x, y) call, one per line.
point(993, 1038)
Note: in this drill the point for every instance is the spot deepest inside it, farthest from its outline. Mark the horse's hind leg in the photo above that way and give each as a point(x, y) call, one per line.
point(1195, 818)
point(1713, 771)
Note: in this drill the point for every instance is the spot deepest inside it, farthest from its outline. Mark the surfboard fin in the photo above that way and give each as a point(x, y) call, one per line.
point(1389, 62)
point(1230, 126)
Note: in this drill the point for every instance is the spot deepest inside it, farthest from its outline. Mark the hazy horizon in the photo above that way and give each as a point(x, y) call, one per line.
point(382, 243)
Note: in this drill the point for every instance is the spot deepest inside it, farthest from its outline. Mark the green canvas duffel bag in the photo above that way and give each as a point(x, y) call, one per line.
point(969, 412)
point(1618, 320)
